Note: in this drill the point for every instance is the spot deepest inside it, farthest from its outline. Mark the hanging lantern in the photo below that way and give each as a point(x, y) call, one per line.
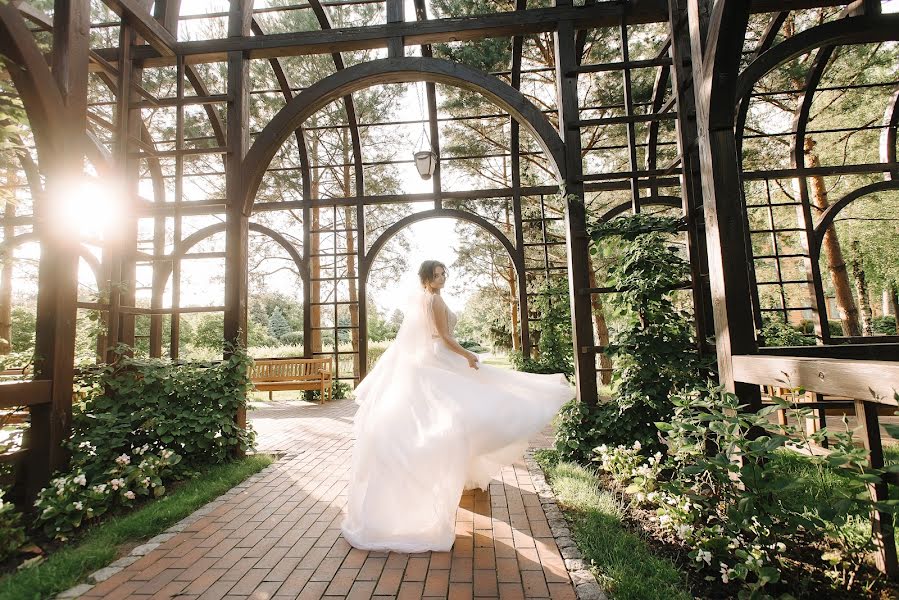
point(425, 162)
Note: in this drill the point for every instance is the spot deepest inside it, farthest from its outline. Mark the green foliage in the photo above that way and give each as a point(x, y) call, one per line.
point(885, 325)
point(72, 562)
point(736, 512)
point(278, 326)
point(777, 333)
point(654, 352)
point(12, 529)
point(555, 351)
point(210, 331)
point(73, 500)
point(23, 324)
point(134, 403)
point(379, 328)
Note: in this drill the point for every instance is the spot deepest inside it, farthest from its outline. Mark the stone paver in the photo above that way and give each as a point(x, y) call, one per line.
point(277, 535)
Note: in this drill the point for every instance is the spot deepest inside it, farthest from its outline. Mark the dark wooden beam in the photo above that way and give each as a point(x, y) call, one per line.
point(134, 13)
point(577, 244)
point(868, 380)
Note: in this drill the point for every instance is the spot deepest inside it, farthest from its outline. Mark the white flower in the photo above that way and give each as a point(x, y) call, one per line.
point(129, 494)
point(166, 453)
point(99, 488)
point(78, 505)
point(652, 496)
point(146, 481)
point(637, 445)
point(123, 460)
point(704, 556)
point(116, 483)
point(641, 497)
point(683, 531)
point(80, 479)
point(664, 519)
point(725, 573)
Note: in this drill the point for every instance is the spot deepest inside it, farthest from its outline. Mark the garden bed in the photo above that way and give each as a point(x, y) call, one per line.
point(671, 572)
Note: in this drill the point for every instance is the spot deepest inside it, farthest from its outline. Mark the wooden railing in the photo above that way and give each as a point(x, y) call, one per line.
point(31, 464)
point(867, 387)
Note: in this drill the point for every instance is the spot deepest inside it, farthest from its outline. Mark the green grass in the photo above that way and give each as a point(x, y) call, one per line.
point(821, 484)
point(100, 545)
point(622, 562)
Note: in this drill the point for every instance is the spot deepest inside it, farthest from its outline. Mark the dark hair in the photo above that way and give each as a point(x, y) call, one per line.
point(426, 270)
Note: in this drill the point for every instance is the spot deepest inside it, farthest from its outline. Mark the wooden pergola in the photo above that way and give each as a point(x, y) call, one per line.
point(705, 74)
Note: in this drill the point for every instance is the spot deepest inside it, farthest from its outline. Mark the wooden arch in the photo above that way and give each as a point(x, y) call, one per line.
point(392, 70)
point(201, 234)
point(834, 209)
point(442, 213)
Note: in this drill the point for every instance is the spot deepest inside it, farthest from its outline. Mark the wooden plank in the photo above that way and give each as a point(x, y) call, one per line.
point(25, 393)
point(870, 380)
point(149, 28)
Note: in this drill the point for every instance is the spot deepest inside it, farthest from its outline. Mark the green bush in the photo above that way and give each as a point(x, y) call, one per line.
point(189, 409)
point(292, 338)
point(472, 345)
point(12, 529)
point(777, 333)
point(654, 352)
point(554, 348)
point(885, 325)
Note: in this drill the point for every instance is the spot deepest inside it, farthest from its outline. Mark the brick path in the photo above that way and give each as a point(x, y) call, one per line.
point(277, 536)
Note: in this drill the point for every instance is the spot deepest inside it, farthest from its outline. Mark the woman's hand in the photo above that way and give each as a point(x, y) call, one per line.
point(472, 360)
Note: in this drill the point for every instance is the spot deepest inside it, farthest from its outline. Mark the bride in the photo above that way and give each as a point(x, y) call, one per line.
point(432, 422)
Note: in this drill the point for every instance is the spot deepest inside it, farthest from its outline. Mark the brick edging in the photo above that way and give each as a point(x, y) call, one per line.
point(137, 553)
point(584, 582)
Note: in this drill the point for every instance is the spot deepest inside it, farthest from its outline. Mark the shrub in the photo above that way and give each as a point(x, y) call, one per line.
point(885, 325)
point(654, 352)
point(74, 499)
point(134, 403)
point(12, 529)
point(775, 332)
point(292, 338)
point(554, 348)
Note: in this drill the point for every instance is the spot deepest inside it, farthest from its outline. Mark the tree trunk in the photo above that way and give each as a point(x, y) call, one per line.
point(600, 328)
point(6, 268)
point(861, 290)
point(894, 305)
point(832, 250)
point(350, 258)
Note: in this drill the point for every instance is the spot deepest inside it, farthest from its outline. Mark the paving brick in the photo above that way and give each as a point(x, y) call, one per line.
point(341, 582)
point(277, 535)
point(389, 582)
point(437, 582)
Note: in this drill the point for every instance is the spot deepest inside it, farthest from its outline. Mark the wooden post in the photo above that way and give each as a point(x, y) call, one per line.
point(58, 271)
point(575, 214)
point(691, 173)
point(881, 522)
point(715, 77)
point(237, 223)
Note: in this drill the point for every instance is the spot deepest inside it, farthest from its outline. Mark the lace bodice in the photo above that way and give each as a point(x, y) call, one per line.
point(451, 320)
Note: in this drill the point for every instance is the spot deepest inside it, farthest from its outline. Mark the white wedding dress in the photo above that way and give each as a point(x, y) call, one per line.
point(429, 426)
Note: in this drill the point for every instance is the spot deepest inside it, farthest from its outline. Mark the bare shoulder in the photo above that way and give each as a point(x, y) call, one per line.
point(436, 301)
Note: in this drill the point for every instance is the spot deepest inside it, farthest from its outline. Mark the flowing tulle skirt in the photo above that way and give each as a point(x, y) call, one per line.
point(425, 434)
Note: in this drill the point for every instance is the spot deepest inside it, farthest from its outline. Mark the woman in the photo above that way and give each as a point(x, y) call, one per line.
point(432, 421)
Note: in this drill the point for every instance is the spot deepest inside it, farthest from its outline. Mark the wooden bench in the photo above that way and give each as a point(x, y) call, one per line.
point(278, 374)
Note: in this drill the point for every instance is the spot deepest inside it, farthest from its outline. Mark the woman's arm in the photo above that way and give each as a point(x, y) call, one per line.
point(438, 312)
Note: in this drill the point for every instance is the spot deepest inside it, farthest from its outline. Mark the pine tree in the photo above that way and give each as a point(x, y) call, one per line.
point(278, 326)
